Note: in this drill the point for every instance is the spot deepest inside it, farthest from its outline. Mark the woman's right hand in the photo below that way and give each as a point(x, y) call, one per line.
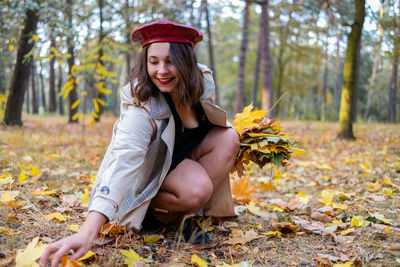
point(80, 243)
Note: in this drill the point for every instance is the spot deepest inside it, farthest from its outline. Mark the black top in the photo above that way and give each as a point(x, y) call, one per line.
point(186, 139)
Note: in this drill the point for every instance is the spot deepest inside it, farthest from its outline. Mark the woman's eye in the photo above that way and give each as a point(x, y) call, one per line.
point(152, 62)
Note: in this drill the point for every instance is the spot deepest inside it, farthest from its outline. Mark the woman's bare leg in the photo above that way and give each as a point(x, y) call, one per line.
point(217, 153)
point(185, 189)
point(191, 184)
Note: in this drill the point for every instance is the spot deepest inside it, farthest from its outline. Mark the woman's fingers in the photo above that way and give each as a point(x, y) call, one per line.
point(48, 251)
point(79, 253)
point(60, 252)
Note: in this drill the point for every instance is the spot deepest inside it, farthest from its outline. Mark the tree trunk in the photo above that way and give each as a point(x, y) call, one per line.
point(42, 92)
point(281, 61)
point(266, 63)
point(35, 106)
point(393, 86)
point(326, 63)
point(52, 84)
point(355, 95)
point(338, 72)
point(2, 87)
point(349, 73)
point(100, 95)
point(257, 66)
point(317, 86)
point(242, 60)
point(13, 112)
point(27, 96)
point(393, 79)
point(59, 86)
point(210, 51)
point(73, 94)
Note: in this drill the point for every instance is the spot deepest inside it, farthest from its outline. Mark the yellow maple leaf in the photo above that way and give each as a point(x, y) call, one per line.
point(304, 197)
point(327, 196)
point(34, 171)
point(42, 192)
point(73, 227)
point(84, 197)
point(10, 47)
point(272, 233)
point(388, 181)
point(88, 255)
point(245, 120)
point(6, 178)
point(8, 196)
point(347, 264)
point(339, 206)
point(198, 261)
point(273, 208)
point(56, 216)
point(253, 208)
point(7, 231)
point(358, 221)
point(380, 218)
point(30, 254)
point(151, 239)
point(347, 231)
point(22, 177)
point(131, 257)
point(373, 186)
point(205, 224)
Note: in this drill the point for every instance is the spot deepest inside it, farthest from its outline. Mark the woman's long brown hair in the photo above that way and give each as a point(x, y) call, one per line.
point(191, 80)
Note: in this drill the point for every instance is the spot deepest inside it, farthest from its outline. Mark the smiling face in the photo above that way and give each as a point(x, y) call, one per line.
point(161, 69)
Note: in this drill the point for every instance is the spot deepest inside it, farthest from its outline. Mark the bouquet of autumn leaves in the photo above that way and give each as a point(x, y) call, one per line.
point(261, 140)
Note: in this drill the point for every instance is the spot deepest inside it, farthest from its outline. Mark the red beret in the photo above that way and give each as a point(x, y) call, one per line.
point(166, 31)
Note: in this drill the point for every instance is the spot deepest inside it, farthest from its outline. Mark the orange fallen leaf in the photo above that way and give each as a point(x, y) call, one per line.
point(67, 262)
point(373, 186)
point(267, 186)
point(241, 189)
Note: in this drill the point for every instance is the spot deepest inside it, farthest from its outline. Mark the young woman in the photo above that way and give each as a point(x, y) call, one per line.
point(171, 148)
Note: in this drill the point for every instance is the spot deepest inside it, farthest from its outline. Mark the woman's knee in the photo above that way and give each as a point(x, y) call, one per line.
point(229, 143)
point(198, 193)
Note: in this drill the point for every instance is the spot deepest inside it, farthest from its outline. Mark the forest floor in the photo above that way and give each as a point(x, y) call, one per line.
point(337, 203)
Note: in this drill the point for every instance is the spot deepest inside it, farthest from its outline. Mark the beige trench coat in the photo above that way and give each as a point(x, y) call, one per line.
point(134, 167)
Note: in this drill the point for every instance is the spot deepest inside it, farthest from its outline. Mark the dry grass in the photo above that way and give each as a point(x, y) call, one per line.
point(68, 155)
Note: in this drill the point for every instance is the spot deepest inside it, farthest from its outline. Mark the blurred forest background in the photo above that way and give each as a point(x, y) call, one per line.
point(71, 57)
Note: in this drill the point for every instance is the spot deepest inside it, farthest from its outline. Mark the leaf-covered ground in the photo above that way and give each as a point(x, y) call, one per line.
point(336, 203)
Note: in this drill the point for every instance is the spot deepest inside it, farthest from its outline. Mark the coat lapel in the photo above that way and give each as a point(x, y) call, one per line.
point(215, 114)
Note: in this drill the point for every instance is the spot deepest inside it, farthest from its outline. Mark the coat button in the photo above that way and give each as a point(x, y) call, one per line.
point(105, 190)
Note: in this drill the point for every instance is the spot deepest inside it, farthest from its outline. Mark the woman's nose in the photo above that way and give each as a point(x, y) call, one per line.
point(163, 69)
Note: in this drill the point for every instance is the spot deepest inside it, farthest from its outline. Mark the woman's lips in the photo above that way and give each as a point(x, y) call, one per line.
point(165, 81)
